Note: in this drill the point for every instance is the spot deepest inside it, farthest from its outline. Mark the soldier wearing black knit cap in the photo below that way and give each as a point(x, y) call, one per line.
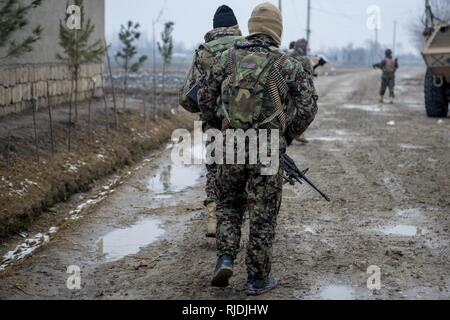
point(226, 31)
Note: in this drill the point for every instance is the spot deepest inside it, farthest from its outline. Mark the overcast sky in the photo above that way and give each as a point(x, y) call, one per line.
point(334, 22)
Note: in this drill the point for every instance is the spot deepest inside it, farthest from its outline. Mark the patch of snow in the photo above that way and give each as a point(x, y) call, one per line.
point(71, 168)
point(53, 230)
point(26, 248)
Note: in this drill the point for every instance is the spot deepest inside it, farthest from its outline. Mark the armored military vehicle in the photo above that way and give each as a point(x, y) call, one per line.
point(436, 54)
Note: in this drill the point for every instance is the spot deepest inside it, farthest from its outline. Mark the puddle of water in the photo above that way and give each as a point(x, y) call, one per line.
point(340, 135)
point(328, 139)
point(401, 89)
point(368, 107)
point(402, 230)
point(422, 293)
point(124, 242)
point(174, 178)
point(309, 229)
point(415, 213)
point(163, 196)
point(337, 293)
point(411, 147)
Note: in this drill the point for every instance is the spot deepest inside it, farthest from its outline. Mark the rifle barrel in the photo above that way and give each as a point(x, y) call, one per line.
point(299, 176)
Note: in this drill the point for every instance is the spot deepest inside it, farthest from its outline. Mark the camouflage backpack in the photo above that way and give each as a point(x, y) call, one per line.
point(204, 57)
point(213, 48)
point(250, 95)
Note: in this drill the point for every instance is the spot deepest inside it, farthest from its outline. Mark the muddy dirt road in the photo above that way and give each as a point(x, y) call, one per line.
point(387, 168)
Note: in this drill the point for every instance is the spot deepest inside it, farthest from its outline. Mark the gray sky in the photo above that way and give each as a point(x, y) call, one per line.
point(334, 22)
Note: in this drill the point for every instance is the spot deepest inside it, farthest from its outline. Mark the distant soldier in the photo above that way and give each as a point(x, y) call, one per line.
point(389, 66)
point(226, 31)
point(298, 50)
point(254, 80)
point(292, 45)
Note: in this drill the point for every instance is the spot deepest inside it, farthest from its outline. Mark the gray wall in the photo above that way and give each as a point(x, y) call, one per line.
point(48, 16)
point(38, 73)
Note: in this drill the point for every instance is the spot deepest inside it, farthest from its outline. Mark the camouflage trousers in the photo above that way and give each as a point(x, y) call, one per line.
point(388, 81)
point(211, 170)
point(211, 175)
point(242, 189)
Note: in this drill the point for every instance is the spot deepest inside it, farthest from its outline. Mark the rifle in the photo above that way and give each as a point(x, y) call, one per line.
point(293, 175)
point(321, 63)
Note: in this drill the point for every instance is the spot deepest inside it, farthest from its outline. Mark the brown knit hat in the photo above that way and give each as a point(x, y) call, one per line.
point(266, 19)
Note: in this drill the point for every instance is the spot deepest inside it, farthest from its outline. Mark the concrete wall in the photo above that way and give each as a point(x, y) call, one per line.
point(39, 73)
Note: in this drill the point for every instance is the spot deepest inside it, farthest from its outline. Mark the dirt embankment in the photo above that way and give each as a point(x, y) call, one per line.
point(31, 181)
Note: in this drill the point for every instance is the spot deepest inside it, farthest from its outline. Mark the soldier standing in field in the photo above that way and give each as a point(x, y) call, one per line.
point(389, 66)
point(226, 31)
point(254, 81)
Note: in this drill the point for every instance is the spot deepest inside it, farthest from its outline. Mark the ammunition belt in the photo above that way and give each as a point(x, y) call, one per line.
point(278, 90)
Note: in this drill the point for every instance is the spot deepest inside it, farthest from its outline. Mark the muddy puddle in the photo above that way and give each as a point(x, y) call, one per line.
point(310, 229)
point(414, 213)
point(408, 146)
point(174, 178)
point(402, 230)
point(339, 136)
point(365, 107)
point(124, 242)
point(337, 292)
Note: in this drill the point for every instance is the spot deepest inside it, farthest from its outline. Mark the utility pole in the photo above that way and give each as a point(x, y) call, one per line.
point(280, 5)
point(308, 24)
point(394, 46)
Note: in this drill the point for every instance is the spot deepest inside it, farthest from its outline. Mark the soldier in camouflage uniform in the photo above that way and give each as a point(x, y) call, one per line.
point(225, 32)
point(299, 52)
point(240, 78)
point(389, 66)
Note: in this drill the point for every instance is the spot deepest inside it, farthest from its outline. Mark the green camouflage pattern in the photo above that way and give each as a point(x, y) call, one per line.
point(216, 41)
point(302, 93)
point(241, 185)
point(388, 76)
point(308, 67)
point(242, 188)
point(303, 59)
point(388, 81)
point(243, 91)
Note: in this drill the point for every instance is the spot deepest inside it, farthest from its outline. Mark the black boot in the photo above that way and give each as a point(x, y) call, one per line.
point(256, 287)
point(223, 272)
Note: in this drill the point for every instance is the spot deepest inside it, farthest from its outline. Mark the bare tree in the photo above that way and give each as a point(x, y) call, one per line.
point(78, 49)
point(128, 35)
point(166, 50)
point(441, 11)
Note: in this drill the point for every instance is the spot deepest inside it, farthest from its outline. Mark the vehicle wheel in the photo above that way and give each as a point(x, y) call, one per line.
point(436, 101)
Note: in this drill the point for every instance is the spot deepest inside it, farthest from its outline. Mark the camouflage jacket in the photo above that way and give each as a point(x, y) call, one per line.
point(303, 59)
point(301, 90)
point(216, 41)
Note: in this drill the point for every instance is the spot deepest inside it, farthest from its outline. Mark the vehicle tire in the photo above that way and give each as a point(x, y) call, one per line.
point(436, 102)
